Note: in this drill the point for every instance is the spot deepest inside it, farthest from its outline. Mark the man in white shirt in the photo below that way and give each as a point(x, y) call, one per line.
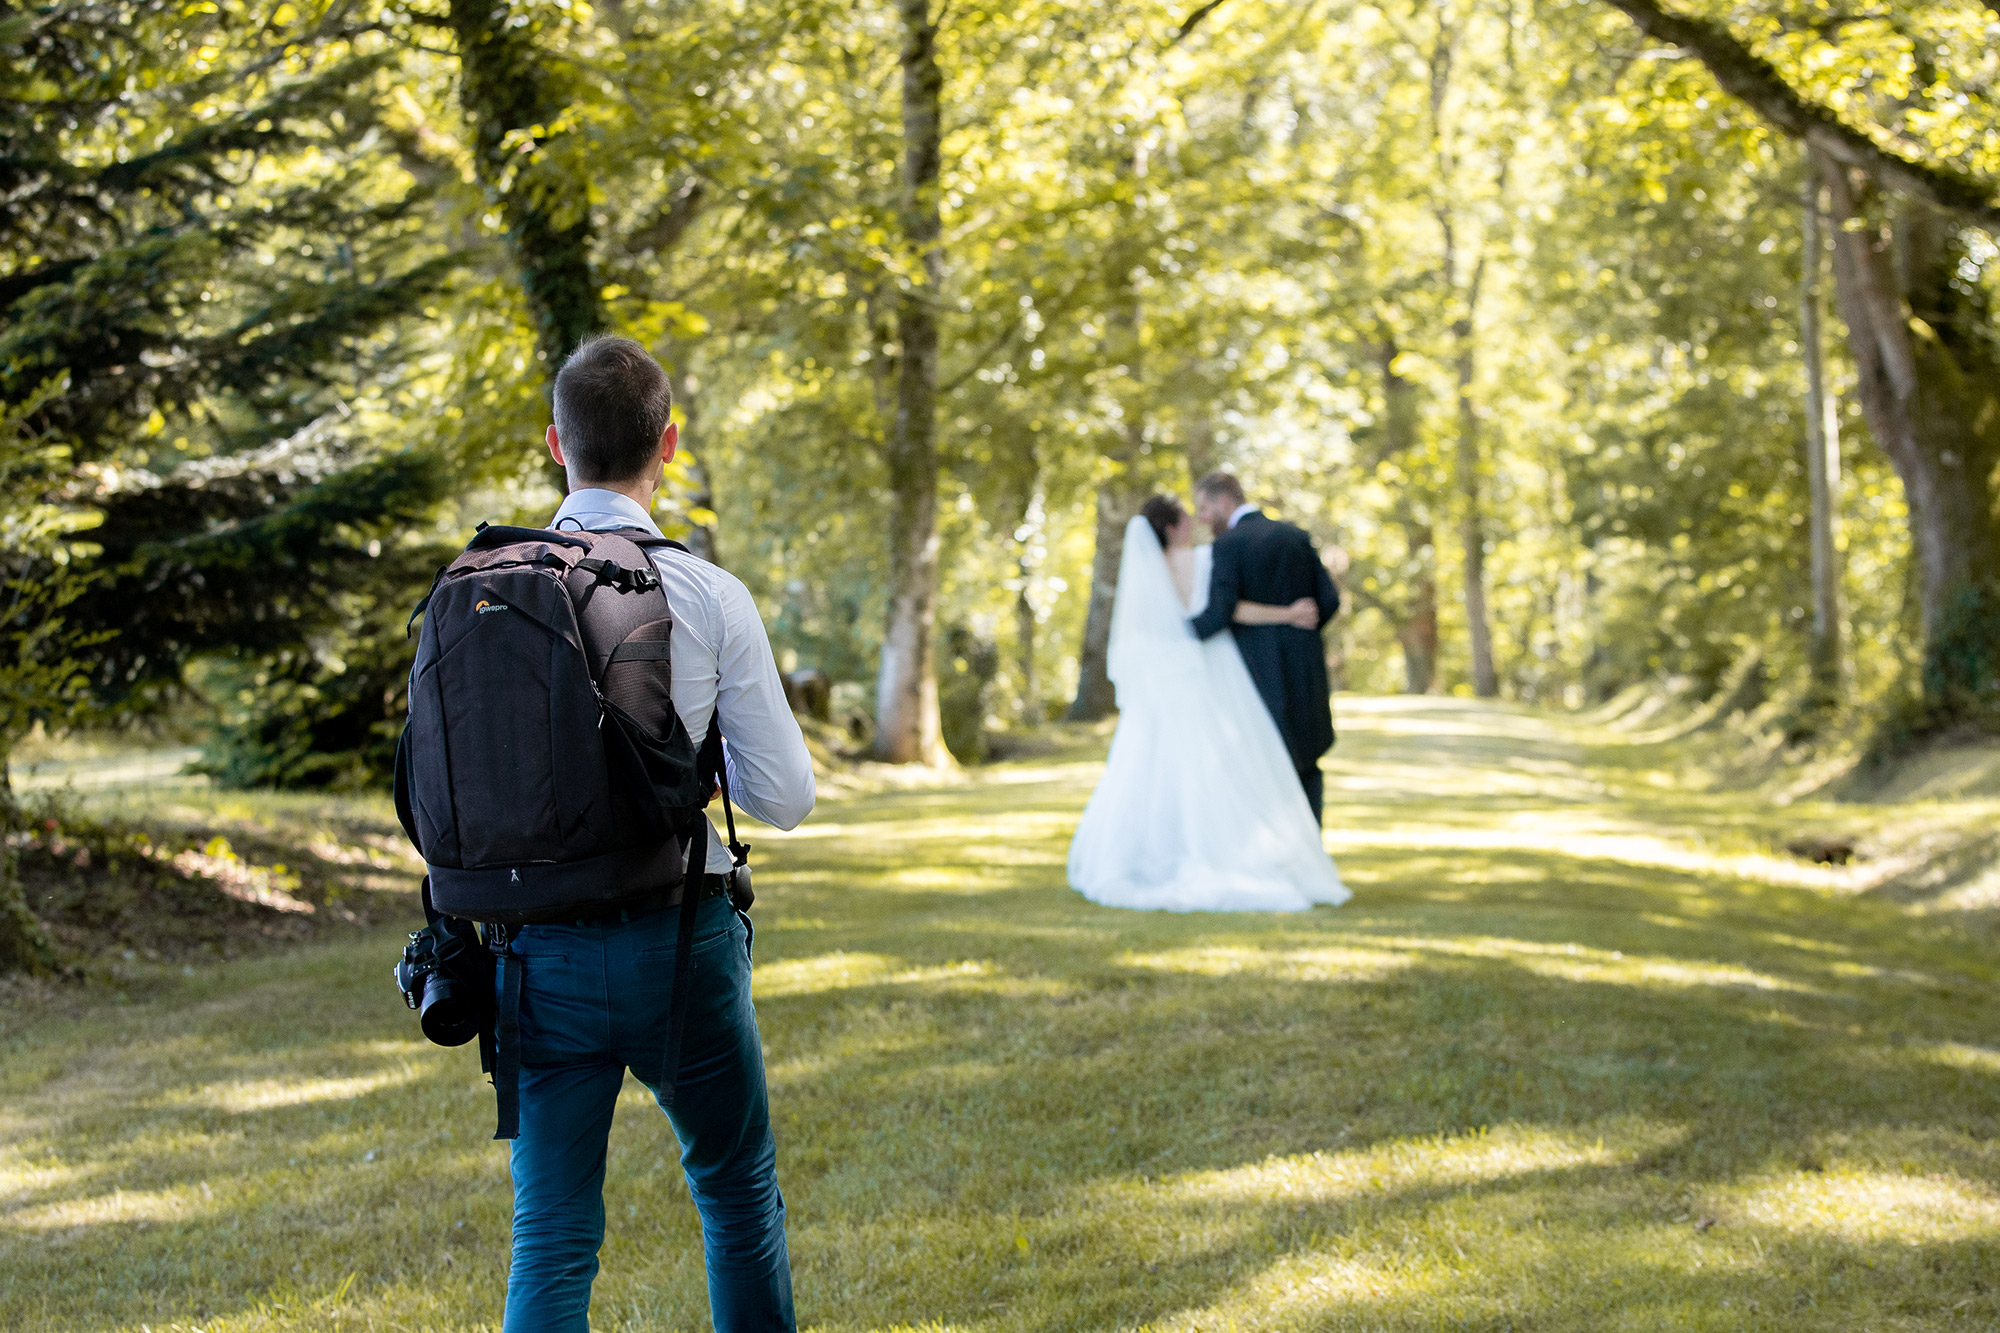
point(595, 994)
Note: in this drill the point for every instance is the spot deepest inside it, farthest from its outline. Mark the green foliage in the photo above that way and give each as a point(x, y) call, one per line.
point(302, 274)
point(327, 716)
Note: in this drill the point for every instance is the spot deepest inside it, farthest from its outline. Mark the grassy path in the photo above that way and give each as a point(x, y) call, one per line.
point(1584, 1053)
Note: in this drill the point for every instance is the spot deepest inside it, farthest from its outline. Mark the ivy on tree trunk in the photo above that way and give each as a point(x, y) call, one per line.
point(505, 89)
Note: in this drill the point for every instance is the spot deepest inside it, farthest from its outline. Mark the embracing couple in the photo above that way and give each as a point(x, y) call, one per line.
point(1212, 793)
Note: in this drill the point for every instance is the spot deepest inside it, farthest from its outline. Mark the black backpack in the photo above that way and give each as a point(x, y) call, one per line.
point(544, 774)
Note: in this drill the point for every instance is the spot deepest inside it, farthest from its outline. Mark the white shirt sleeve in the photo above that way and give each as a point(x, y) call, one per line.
point(770, 771)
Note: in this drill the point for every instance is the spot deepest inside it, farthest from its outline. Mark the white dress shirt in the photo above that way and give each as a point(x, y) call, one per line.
point(1234, 518)
point(722, 665)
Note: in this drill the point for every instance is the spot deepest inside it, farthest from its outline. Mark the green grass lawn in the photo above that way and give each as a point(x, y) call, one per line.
point(1586, 1051)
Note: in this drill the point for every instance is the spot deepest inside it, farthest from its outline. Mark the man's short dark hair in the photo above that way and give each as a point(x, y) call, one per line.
point(1223, 484)
point(612, 404)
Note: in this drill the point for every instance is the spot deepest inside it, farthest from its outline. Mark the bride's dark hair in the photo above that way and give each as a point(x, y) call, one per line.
point(1163, 512)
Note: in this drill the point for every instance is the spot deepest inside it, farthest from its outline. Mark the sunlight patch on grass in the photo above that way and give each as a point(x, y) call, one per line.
point(958, 825)
point(269, 1093)
point(1577, 962)
point(20, 1177)
point(1549, 834)
point(831, 971)
point(1980, 893)
point(1296, 1291)
point(1502, 1152)
point(1275, 964)
point(1959, 1055)
point(1873, 1206)
point(121, 1205)
point(847, 971)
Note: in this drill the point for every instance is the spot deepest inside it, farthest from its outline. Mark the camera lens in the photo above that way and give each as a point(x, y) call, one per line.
point(448, 1015)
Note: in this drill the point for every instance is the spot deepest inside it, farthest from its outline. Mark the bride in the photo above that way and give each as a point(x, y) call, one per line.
point(1199, 808)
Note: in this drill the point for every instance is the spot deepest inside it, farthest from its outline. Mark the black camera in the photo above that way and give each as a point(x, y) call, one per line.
point(447, 976)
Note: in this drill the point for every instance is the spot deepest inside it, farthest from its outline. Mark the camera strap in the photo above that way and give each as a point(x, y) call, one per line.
point(691, 896)
point(715, 761)
point(506, 1039)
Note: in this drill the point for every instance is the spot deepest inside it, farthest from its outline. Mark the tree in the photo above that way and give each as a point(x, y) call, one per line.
point(515, 109)
point(1826, 654)
point(907, 729)
point(1463, 277)
point(224, 314)
point(1922, 342)
point(1129, 248)
point(40, 678)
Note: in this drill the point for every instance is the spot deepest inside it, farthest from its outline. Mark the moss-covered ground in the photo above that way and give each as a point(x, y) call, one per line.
point(1588, 1050)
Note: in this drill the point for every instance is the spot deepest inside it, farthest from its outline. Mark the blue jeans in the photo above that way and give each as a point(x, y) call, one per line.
point(594, 1002)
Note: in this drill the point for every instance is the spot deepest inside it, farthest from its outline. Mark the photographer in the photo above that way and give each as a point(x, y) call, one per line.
point(594, 995)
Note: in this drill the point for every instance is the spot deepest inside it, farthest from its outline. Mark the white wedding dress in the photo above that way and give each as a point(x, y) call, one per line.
point(1199, 809)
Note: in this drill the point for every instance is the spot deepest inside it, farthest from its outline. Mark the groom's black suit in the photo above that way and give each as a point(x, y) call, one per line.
point(1262, 560)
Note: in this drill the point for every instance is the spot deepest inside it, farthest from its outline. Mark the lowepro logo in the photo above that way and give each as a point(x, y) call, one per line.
point(483, 607)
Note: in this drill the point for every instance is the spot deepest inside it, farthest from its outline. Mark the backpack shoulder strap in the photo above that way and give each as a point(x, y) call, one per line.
point(644, 540)
point(490, 535)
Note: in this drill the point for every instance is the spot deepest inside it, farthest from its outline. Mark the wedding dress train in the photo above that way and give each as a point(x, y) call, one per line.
point(1199, 809)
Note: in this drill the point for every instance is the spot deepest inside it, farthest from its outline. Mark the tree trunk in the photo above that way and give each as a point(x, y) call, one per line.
point(1201, 458)
point(1418, 635)
point(1471, 525)
point(503, 89)
point(1929, 382)
point(1117, 502)
point(24, 946)
point(908, 728)
point(1029, 536)
point(1825, 651)
point(1024, 648)
point(1417, 626)
point(1118, 495)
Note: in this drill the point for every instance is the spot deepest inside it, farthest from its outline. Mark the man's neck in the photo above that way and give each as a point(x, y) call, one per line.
point(1242, 512)
point(639, 492)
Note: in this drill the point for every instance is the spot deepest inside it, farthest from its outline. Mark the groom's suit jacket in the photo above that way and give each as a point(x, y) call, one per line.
point(1262, 560)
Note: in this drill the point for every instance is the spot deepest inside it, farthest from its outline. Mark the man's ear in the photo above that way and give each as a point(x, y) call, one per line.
point(555, 448)
point(670, 441)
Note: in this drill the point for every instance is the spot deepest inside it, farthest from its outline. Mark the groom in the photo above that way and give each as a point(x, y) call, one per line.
point(1257, 559)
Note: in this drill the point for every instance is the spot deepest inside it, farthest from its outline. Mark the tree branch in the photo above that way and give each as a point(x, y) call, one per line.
point(1193, 21)
point(1756, 82)
point(664, 232)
